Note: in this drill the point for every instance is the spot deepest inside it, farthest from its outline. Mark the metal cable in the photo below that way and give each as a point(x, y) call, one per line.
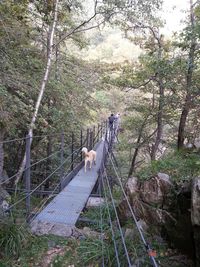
point(134, 217)
point(30, 167)
point(34, 136)
point(43, 159)
point(111, 226)
point(101, 222)
point(12, 140)
point(118, 222)
point(49, 176)
point(44, 202)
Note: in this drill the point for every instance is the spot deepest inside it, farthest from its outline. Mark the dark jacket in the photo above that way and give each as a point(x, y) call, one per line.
point(111, 120)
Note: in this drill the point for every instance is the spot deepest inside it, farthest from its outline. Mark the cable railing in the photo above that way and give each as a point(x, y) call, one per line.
point(69, 155)
point(146, 244)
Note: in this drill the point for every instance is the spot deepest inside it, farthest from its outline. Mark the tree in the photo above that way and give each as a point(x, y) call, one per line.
point(189, 78)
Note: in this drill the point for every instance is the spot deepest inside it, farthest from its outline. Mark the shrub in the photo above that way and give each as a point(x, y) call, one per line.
point(12, 238)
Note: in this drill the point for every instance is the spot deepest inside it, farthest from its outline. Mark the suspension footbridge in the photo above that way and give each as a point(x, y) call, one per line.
point(64, 210)
point(59, 181)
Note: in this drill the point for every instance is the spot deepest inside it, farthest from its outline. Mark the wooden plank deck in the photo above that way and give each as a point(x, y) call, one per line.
point(65, 208)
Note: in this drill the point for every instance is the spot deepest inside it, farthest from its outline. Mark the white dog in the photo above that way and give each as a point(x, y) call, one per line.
point(89, 156)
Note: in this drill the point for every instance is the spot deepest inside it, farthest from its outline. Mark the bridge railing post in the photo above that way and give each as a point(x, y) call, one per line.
point(98, 130)
point(87, 138)
point(106, 130)
point(81, 143)
point(61, 161)
point(28, 174)
point(93, 136)
point(72, 152)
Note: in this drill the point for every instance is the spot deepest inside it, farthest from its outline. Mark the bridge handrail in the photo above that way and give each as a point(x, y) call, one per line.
point(32, 191)
point(147, 246)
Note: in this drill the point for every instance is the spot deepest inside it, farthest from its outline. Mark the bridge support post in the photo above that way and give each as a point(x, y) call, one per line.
point(81, 144)
point(106, 131)
point(88, 141)
point(61, 161)
point(93, 136)
point(91, 139)
point(101, 129)
point(28, 174)
point(98, 131)
point(72, 153)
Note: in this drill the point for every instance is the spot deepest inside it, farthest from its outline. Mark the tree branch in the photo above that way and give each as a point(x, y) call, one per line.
point(77, 28)
point(143, 84)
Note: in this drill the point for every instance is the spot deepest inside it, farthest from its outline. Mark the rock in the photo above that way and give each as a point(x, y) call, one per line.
point(87, 232)
point(4, 202)
point(44, 228)
point(195, 207)
point(142, 224)
point(151, 193)
point(197, 143)
point(94, 202)
point(61, 230)
point(155, 190)
point(195, 217)
point(4, 195)
point(5, 205)
point(132, 186)
point(129, 233)
point(189, 146)
point(165, 178)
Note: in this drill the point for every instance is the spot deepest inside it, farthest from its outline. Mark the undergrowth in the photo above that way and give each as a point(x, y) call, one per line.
point(179, 165)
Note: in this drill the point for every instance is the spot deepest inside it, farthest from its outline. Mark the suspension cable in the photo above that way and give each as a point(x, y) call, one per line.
point(101, 222)
point(147, 246)
point(35, 163)
point(12, 140)
point(49, 176)
point(110, 222)
point(39, 161)
point(44, 202)
point(118, 222)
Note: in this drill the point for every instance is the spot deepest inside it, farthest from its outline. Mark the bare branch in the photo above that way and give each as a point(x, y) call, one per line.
point(142, 85)
point(77, 28)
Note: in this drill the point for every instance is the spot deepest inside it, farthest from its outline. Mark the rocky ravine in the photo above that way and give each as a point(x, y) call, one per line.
point(171, 210)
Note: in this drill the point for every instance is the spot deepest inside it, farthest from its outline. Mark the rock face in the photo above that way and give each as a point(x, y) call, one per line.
point(195, 217)
point(147, 199)
point(174, 213)
point(156, 189)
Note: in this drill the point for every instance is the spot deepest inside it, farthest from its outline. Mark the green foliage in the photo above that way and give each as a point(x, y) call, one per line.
point(12, 238)
point(179, 165)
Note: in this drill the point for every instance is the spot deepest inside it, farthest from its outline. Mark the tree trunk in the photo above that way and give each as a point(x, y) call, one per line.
point(188, 98)
point(132, 168)
point(43, 85)
point(161, 102)
point(2, 133)
point(159, 120)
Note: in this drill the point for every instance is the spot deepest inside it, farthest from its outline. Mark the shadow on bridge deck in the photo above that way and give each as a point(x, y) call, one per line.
point(61, 214)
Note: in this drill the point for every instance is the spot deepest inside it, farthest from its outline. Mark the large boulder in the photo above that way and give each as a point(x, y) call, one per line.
point(155, 190)
point(147, 199)
point(195, 217)
point(195, 202)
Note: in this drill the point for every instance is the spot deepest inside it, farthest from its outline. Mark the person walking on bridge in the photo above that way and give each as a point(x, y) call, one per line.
point(111, 121)
point(116, 123)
